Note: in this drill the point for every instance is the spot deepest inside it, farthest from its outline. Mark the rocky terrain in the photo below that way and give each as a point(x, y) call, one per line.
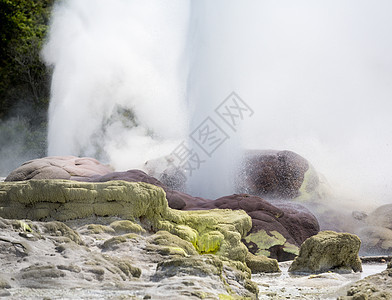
point(146, 241)
point(73, 228)
point(117, 257)
point(374, 287)
point(278, 228)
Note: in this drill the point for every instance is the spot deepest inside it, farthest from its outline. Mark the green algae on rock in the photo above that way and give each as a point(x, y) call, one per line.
point(313, 188)
point(59, 229)
point(261, 263)
point(217, 231)
point(145, 212)
point(85, 271)
point(97, 229)
point(206, 265)
point(63, 200)
point(126, 226)
point(41, 271)
point(122, 267)
point(328, 251)
point(114, 241)
point(166, 243)
point(265, 242)
point(195, 265)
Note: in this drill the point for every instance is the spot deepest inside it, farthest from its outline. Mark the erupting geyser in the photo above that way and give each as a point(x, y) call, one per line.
point(118, 85)
point(133, 79)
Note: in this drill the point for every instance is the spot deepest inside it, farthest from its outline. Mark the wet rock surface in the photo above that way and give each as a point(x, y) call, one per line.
point(328, 251)
point(377, 286)
point(273, 174)
point(165, 170)
point(328, 285)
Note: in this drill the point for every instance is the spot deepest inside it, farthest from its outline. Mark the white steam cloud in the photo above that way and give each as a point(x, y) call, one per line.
point(320, 80)
point(114, 60)
point(318, 75)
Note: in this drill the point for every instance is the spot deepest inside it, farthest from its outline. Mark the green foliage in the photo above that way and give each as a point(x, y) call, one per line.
point(24, 81)
point(23, 76)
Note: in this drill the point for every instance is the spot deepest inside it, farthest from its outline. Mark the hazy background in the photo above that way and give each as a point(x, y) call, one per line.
point(318, 75)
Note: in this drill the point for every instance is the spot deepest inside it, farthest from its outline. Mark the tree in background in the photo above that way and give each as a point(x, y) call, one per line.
point(24, 78)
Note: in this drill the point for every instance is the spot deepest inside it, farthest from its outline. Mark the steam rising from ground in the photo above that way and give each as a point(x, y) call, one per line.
point(118, 87)
point(318, 75)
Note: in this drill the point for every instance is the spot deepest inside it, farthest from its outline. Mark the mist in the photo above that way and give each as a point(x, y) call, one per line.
point(19, 143)
point(323, 74)
point(117, 88)
point(133, 79)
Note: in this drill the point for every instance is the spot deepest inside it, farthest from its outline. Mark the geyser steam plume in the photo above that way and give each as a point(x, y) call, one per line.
point(316, 73)
point(118, 86)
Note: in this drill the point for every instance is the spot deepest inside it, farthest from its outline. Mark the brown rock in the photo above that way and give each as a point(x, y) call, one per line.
point(272, 174)
point(59, 167)
point(278, 229)
point(176, 199)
